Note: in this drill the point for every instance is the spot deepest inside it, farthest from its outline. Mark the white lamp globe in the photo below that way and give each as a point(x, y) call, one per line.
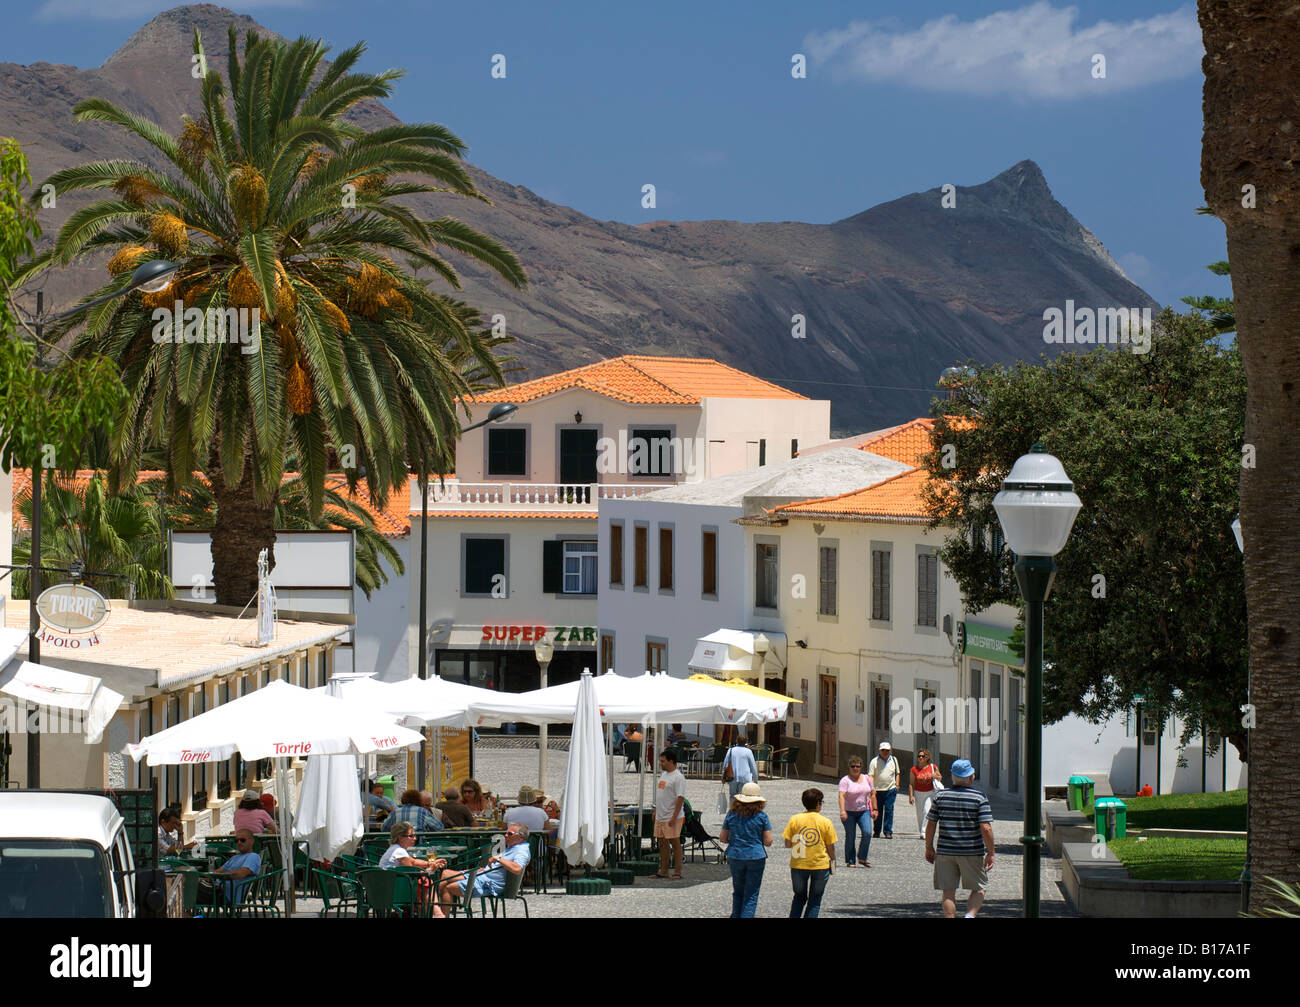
point(1037, 505)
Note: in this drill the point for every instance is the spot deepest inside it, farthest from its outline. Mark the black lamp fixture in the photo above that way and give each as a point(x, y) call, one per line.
point(577, 417)
point(802, 644)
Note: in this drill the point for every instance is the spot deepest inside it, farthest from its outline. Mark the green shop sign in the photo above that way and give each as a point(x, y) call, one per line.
point(989, 643)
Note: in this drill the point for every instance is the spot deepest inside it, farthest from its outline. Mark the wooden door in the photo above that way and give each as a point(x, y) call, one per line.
point(828, 712)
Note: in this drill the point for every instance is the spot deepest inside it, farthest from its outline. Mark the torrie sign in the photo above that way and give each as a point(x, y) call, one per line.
point(72, 608)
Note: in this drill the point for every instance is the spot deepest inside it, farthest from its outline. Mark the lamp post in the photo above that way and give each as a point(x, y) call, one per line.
point(498, 412)
point(1037, 508)
point(1250, 719)
point(152, 276)
point(544, 651)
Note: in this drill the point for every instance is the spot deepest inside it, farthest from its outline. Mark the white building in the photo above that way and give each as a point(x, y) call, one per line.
point(513, 541)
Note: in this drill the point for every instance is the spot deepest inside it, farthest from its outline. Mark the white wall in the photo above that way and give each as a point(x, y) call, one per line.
point(383, 633)
point(682, 617)
point(734, 428)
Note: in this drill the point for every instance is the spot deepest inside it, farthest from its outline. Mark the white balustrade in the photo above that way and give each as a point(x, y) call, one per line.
point(455, 495)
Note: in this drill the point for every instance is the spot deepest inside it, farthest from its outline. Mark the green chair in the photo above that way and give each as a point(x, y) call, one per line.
point(189, 891)
point(763, 757)
point(783, 759)
point(712, 759)
point(341, 896)
point(386, 893)
point(465, 904)
point(514, 882)
point(261, 897)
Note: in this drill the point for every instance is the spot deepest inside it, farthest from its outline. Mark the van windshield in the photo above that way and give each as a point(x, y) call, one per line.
point(53, 877)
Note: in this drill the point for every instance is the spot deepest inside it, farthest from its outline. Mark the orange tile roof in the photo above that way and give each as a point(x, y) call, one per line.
point(898, 497)
point(649, 381)
point(392, 521)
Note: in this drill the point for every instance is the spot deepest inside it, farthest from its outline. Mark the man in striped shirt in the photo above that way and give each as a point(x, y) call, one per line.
point(964, 821)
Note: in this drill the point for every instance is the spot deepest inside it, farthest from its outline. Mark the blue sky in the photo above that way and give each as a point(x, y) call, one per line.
point(698, 99)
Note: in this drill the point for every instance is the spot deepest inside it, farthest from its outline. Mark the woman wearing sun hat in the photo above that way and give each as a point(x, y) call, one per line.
point(747, 832)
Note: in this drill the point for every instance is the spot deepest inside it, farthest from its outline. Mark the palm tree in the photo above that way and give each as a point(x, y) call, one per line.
point(117, 535)
point(1251, 79)
point(274, 204)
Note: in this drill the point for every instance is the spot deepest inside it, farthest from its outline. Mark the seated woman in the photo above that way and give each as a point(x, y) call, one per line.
point(252, 816)
point(398, 855)
point(472, 796)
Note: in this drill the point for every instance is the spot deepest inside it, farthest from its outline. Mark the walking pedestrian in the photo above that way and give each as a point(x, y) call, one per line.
point(739, 767)
point(964, 853)
point(747, 833)
point(669, 816)
point(857, 799)
point(925, 784)
point(810, 837)
point(884, 776)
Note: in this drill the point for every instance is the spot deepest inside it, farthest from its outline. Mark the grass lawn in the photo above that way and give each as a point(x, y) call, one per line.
point(1225, 811)
point(1163, 859)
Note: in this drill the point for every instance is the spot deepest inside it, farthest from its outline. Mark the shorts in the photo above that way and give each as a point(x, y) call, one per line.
point(669, 830)
point(968, 869)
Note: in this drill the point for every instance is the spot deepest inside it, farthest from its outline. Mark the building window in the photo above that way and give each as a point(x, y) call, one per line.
point(507, 451)
point(616, 554)
point(639, 535)
point(828, 580)
point(880, 585)
point(650, 451)
point(484, 566)
point(709, 564)
point(927, 589)
point(762, 452)
point(794, 447)
point(665, 558)
point(580, 567)
point(606, 652)
point(656, 657)
point(765, 587)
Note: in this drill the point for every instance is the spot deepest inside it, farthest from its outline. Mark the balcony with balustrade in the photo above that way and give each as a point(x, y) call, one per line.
point(524, 497)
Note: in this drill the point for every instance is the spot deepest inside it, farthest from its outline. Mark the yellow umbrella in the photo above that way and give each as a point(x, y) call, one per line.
point(736, 683)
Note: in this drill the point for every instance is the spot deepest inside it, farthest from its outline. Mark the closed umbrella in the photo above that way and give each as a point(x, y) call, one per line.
point(329, 814)
point(584, 819)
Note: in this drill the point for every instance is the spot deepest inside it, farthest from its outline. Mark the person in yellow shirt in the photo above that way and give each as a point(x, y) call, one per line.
point(810, 837)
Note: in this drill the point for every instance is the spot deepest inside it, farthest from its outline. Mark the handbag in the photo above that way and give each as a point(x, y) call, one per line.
point(728, 774)
point(935, 782)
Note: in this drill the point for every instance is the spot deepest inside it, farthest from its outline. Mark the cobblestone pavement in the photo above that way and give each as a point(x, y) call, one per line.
point(897, 884)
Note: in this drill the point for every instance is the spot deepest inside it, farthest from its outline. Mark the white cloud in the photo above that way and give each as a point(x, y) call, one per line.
point(1033, 52)
point(120, 10)
point(1137, 266)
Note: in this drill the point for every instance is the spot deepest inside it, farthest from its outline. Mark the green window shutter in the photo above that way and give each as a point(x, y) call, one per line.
point(552, 567)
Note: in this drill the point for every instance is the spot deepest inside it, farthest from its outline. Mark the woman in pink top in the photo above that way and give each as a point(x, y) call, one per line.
point(857, 799)
point(252, 816)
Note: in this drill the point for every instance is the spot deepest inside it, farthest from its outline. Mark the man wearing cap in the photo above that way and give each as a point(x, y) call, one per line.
point(530, 811)
point(964, 854)
point(884, 777)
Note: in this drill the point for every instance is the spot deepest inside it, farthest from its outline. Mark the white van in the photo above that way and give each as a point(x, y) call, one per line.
point(64, 854)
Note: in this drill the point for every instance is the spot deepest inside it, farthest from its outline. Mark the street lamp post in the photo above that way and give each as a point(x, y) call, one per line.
point(152, 276)
point(544, 650)
point(498, 412)
point(1036, 507)
point(1250, 719)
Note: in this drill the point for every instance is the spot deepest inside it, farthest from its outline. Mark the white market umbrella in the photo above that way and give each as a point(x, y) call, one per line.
point(434, 702)
point(279, 721)
point(329, 814)
point(584, 819)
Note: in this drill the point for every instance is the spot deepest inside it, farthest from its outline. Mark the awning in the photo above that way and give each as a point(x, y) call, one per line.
point(725, 653)
point(42, 685)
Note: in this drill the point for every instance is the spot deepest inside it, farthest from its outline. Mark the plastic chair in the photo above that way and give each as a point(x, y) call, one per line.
point(341, 895)
point(189, 891)
point(763, 756)
point(784, 758)
point(514, 882)
point(465, 904)
point(261, 896)
point(712, 758)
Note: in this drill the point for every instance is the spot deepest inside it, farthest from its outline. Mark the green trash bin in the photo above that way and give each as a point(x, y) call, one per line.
point(1111, 817)
point(389, 785)
point(1080, 792)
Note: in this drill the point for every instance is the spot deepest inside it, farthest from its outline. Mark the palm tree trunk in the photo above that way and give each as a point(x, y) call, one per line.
point(243, 528)
point(1252, 75)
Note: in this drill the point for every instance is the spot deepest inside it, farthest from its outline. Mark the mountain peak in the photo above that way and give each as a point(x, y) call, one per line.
point(173, 31)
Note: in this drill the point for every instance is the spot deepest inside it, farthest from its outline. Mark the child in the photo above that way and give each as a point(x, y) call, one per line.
point(811, 839)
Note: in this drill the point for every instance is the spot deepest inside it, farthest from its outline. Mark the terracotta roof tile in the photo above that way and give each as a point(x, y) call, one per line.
point(648, 380)
point(899, 497)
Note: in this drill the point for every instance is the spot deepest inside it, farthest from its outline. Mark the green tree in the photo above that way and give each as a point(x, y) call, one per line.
point(1217, 310)
point(1153, 444)
point(117, 535)
point(272, 202)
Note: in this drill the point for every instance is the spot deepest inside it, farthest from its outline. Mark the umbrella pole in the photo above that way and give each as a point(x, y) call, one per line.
point(286, 840)
point(609, 764)
point(640, 790)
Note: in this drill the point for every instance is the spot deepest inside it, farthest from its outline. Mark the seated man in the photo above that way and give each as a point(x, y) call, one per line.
point(239, 869)
point(454, 814)
point(377, 806)
point(492, 880)
point(411, 810)
point(530, 811)
point(170, 843)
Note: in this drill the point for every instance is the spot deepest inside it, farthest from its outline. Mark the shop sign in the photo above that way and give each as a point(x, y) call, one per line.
point(532, 634)
point(72, 608)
